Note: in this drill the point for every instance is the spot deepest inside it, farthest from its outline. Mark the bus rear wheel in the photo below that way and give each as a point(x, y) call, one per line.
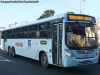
point(13, 52)
point(9, 51)
point(44, 60)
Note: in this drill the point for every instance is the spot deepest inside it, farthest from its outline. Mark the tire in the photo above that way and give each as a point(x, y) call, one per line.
point(9, 51)
point(13, 52)
point(44, 60)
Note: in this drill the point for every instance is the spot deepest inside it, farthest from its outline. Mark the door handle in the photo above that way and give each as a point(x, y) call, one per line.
point(50, 50)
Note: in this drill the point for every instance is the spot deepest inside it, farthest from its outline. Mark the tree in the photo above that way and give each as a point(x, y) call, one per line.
point(47, 13)
point(70, 12)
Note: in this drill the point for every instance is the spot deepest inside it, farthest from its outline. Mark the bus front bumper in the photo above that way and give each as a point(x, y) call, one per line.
point(70, 62)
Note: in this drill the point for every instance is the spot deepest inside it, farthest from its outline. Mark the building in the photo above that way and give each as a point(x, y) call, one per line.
point(0, 35)
point(16, 23)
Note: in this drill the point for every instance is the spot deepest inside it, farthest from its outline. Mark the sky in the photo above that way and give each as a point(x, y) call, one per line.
point(17, 12)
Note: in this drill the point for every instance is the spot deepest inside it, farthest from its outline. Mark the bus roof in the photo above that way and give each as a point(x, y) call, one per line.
point(37, 21)
point(42, 20)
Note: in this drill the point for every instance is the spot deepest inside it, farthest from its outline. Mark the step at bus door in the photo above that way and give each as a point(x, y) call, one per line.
point(57, 43)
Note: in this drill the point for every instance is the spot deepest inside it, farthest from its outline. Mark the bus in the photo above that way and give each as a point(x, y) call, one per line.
point(64, 40)
point(98, 26)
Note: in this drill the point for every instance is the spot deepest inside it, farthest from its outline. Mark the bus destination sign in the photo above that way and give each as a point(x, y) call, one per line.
point(79, 17)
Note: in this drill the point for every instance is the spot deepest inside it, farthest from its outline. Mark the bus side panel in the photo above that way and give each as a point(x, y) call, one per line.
point(6, 44)
point(2, 44)
point(36, 46)
point(30, 47)
point(20, 46)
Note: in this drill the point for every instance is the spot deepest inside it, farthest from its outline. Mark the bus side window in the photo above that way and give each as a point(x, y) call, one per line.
point(8, 33)
point(38, 34)
point(25, 32)
point(44, 29)
point(18, 33)
point(32, 31)
point(13, 33)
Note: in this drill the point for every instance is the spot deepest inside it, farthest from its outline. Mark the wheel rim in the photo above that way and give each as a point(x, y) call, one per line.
point(13, 53)
point(9, 52)
point(44, 61)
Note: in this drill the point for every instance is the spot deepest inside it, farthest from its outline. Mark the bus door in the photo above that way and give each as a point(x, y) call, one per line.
point(5, 40)
point(57, 43)
point(4, 37)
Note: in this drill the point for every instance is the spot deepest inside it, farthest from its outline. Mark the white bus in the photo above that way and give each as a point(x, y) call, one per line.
point(64, 40)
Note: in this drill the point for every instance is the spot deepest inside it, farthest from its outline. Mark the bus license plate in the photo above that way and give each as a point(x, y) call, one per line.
point(86, 61)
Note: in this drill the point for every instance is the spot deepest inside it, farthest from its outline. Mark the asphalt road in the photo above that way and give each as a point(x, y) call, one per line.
point(25, 66)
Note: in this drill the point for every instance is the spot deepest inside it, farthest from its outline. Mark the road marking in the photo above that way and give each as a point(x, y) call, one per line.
point(13, 61)
point(5, 59)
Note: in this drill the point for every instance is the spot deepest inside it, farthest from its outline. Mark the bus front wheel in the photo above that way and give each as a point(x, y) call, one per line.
point(44, 60)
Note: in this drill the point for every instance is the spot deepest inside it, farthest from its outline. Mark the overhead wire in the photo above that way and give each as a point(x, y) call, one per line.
point(67, 5)
point(61, 4)
point(84, 12)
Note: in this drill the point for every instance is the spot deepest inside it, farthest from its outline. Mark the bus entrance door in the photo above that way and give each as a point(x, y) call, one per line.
point(57, 43)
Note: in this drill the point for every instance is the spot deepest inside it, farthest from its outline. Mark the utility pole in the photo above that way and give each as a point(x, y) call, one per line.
point(81, 1)
point(80, 7)
point(83, 5)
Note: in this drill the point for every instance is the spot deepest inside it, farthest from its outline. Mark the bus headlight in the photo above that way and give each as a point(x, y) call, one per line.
point(97, 52)
point(68, 54)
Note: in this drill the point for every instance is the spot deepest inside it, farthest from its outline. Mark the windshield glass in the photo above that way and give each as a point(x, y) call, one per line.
point(80, 35)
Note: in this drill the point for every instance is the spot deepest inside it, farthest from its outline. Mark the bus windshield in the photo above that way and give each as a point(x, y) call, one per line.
point(79, 35)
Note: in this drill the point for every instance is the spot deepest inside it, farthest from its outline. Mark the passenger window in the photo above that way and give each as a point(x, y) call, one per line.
point(25, 32)
point(32, 31)
point(18, 33)
point(13, 33)
point(9, 33)
point(33, 27)
point(44, 29)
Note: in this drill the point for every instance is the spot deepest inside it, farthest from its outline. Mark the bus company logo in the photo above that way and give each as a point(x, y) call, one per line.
point(85, 56)
point(19, 44)
point(35, 44)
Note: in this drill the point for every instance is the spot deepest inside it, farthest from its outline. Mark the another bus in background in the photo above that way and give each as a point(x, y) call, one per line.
point(98, 30)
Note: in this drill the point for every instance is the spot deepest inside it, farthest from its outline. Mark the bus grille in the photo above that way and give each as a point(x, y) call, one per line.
point(85, 52)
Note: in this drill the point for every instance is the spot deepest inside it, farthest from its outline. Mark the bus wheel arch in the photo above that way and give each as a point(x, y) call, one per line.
point(43, 59)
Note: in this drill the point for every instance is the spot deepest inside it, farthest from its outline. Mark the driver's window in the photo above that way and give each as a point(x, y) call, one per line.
point(69, 34)
point(90, 31)
point(90, 34)
point(68, 27)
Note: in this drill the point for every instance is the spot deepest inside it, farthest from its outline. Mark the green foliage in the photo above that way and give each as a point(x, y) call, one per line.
point(47, 13)
point(70, 12)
